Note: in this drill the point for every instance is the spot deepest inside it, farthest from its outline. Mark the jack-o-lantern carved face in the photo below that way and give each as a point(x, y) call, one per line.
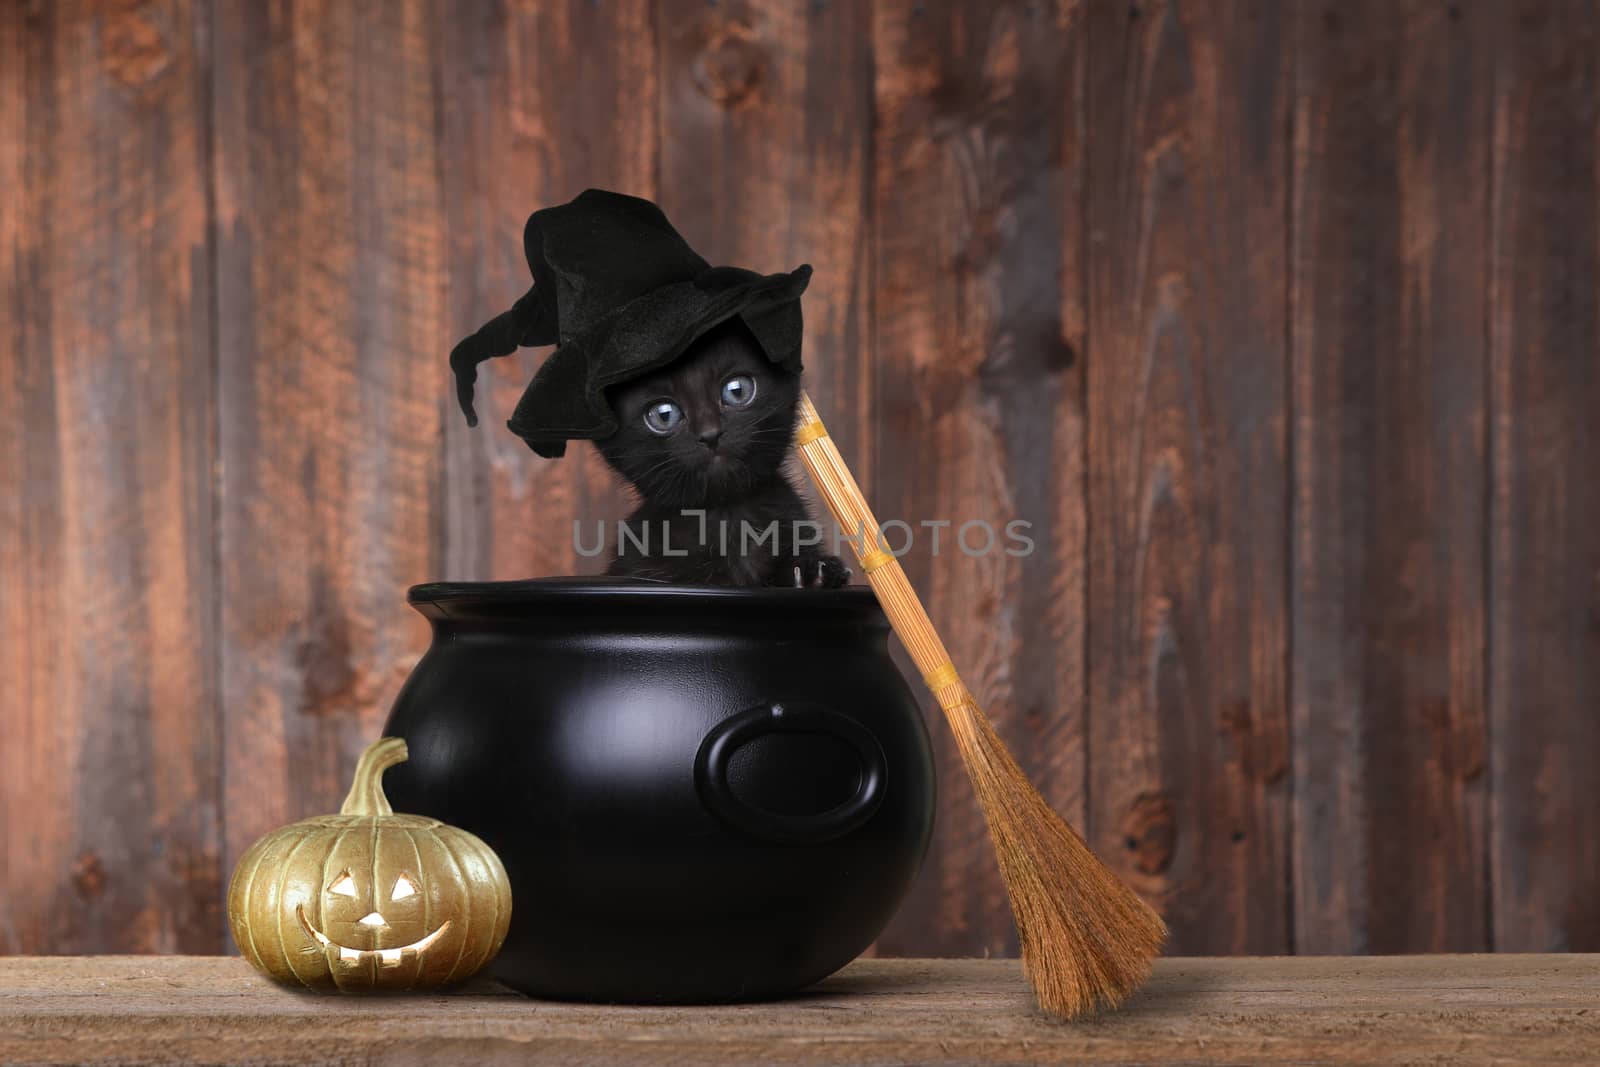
point(388, 932)
point(368, 899)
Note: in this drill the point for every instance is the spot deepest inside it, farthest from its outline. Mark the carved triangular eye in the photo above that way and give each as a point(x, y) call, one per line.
point(403, 888)
point(344, 885)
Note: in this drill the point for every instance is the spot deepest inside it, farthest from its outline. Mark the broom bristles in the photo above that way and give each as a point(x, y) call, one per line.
point(1087, 938)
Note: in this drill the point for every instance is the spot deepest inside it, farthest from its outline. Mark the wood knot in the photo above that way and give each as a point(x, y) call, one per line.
point(1263, 752)
point(1150, 833)
point(326, 659)
point(1035, 719)
point(133, 50)
point(1021, 360)
point(730, 65)
point(1458, 745)
point(89, 874)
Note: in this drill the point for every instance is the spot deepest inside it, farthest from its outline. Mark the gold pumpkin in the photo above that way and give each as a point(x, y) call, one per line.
point(368, 899)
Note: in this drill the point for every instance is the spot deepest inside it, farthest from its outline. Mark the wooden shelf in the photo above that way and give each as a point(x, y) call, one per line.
point(1455, 1009)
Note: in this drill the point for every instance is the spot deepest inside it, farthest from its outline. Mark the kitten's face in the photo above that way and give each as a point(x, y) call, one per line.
point(708, 427)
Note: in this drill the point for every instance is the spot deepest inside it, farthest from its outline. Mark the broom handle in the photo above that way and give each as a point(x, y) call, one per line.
point(906, 613)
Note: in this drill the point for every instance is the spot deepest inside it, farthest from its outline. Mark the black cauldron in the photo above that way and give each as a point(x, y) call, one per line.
point(700, 794)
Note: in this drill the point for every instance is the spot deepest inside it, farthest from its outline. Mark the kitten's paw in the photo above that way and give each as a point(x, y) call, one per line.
point(826, 572)
point(811, 572)
point(834, 572)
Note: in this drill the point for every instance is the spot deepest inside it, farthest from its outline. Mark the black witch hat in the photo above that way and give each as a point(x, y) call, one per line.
point(619, 293)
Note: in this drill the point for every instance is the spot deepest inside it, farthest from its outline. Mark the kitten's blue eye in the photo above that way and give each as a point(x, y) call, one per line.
point(662, 417)
point(738, 391)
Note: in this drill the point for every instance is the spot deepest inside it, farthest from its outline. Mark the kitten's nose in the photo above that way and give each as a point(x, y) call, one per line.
point(709, 438)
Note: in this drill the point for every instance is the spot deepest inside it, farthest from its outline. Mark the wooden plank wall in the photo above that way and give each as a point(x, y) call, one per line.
point(1279, 322)
point(1187, 607)
point(111, 745)
point(1390, 221)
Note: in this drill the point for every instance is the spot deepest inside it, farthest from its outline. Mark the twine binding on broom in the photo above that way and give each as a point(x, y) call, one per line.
point(1087, 938)
point(805, 433)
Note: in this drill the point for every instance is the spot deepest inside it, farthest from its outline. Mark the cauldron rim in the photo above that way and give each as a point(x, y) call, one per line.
point(440, 600)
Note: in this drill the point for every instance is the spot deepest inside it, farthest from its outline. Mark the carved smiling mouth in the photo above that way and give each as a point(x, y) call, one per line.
point(389, 956)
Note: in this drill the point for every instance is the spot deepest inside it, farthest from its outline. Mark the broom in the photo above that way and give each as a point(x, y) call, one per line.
point(1087, 939)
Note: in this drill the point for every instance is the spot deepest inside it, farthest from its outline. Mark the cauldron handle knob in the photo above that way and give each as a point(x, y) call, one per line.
point(711, 773)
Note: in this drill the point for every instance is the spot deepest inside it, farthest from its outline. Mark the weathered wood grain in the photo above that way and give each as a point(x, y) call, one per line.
point(978, 400)
point(1455, 1010)
point(331, 263)
point(1389, 274)
point(539, 101)
point(1545, 525)
point(1187, 473)
point(109, 759)
point(766, 154)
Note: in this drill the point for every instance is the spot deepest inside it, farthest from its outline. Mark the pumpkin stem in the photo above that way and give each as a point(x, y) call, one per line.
point(366, 792)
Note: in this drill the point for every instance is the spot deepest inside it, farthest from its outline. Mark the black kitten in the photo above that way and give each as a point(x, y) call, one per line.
point(710, 432)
